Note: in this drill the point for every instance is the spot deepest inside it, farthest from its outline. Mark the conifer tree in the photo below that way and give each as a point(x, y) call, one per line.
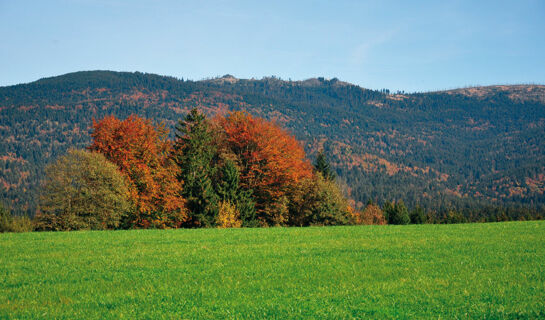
point(228, 184)
point(322, 166)
point(417, 215)
point(228, 189)
point(195, 153)
point(396, 213)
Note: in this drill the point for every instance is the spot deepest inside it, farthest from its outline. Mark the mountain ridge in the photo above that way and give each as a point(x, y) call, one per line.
point(460, 147)
point(313, 81)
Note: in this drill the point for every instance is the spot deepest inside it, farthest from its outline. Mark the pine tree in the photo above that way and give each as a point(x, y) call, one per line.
point(195, 153)
point(322, 166)
point(228, 185)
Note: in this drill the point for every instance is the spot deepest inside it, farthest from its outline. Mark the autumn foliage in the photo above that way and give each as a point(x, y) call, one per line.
point(141, 151)
point(372, 214)
point(236, 170)
point(228, 215)
point(272, 162)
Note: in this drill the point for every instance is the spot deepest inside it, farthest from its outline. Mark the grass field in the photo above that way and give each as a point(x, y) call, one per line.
point(426, 271)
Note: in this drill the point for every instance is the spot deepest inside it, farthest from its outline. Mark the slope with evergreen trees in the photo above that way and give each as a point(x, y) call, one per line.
point(469, 147)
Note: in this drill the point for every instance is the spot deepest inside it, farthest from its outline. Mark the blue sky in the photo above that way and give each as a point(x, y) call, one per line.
point(400, 45)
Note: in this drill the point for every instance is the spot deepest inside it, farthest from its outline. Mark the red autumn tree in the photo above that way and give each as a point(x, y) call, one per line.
point(141, 151)
point(272, 162)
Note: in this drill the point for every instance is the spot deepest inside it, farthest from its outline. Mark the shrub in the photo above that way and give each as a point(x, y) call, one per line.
point(9, 223)
point(21, 224)
point(228, 215)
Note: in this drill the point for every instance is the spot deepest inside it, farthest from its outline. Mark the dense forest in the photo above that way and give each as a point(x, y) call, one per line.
point(466, 149)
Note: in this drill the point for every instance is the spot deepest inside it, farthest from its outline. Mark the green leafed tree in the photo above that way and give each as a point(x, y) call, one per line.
point(83, 190)
point(318, 201)
point(195, 153)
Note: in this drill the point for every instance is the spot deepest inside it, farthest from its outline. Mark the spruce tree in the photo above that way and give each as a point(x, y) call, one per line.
point(396, 213)
point(195, 153)
point(322, 166)
point(417, 215)
point(228, 189)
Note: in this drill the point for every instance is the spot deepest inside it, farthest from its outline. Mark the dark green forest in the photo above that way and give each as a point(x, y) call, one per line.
point(480, 151)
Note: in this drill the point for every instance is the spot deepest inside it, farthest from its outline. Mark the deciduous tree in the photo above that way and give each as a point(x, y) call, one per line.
point(272, 162)
point(142, 153)
point(228, 215)
point(318, 201)
point(372, 214)
point(83, 190)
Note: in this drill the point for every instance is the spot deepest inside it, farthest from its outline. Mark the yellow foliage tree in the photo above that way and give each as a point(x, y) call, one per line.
point(228, 215)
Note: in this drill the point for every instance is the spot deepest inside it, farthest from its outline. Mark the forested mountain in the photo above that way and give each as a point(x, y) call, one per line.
point(466, 147)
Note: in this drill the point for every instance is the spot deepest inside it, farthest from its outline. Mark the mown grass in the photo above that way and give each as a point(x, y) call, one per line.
point(428, 271)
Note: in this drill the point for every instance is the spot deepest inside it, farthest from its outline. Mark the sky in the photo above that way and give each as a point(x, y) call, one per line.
point(398, 45)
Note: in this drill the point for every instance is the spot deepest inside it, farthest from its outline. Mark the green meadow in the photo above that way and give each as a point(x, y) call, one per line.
point(476, 271)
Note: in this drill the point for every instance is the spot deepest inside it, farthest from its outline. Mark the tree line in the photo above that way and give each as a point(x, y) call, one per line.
point(233, 170)
point(446, 149)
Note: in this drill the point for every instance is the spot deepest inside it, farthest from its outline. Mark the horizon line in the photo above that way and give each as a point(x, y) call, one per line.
point(469, 86)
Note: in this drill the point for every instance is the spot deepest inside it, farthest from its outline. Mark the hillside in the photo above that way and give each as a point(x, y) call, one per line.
point(464, 147)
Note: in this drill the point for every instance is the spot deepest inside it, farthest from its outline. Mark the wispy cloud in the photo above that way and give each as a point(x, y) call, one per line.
point(360, 54)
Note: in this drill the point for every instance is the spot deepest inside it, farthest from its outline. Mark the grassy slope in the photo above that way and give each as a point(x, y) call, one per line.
point(474, 270)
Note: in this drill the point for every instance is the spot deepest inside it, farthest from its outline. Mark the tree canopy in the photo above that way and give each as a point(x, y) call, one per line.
point(141, 150)
point(272, 162)
point(83, 190)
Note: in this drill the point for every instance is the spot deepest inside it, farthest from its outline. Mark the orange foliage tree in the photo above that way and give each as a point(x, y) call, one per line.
point(271, 160)
point(141, 151)
point(372, 214)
